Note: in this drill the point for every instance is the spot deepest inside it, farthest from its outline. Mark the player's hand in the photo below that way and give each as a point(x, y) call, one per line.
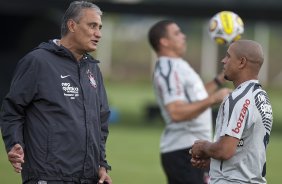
point(220, 77)
point(104, 178)
point(197, 150)
point(219, 95)
point(200, 163)
point(16, 157)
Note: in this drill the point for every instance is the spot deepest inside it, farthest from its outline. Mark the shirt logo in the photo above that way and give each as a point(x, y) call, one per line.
point(64, 76)
point(265, 109)
point(242, 116)
point(240, 143)
point(70, 91)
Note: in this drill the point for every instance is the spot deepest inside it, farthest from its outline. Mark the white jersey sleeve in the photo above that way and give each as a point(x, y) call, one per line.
point(176, 80)
point(171, 85)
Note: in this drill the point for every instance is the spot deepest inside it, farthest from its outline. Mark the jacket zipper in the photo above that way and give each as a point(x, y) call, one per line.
point(85, 114)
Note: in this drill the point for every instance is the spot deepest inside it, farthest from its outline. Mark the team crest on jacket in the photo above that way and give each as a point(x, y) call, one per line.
point(91, 79)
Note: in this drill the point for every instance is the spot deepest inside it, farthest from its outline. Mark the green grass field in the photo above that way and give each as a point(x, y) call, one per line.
point(134, 155)
point(133, 144)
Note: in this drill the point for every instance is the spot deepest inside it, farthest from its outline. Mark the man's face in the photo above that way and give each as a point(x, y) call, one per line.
point(176, 40)
point(87, 31)
point(230, 63)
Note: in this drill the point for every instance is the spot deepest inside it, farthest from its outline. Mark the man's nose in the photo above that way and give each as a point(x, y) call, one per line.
point(98, 33)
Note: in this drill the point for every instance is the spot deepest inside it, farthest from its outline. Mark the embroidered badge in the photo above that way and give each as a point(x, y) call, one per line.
point(91, 79)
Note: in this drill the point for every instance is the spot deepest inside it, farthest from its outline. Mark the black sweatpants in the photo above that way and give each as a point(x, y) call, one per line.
point(179, 170)
point(59, 182)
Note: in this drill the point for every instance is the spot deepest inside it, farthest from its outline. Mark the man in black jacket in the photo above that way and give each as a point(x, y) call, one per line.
point(55, 116)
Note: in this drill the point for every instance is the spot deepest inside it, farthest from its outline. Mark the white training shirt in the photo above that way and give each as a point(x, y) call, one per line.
point(245, 114)
point(174, 80)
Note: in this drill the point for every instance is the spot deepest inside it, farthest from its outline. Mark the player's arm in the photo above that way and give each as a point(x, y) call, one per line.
point(223, 149)
point(22, 91)
point(217, 82)
point(181, 111)
point(104, 118)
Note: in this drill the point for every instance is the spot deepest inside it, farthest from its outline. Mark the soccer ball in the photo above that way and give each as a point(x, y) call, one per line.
point(226, 27)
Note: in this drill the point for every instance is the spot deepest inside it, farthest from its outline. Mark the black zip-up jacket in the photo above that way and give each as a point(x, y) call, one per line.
point(57, 110)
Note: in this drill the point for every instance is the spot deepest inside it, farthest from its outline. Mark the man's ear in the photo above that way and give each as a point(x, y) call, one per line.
point(71, 25)
point(163, 42)
point(243, 62)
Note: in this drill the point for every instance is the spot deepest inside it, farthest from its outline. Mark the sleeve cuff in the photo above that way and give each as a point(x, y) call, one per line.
point(106, 166)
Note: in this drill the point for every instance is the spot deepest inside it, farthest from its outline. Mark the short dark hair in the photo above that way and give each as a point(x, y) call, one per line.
point(158, 31)
point(73, 12)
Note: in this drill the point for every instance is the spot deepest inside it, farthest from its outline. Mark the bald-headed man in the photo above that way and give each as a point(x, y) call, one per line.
point(243, 125)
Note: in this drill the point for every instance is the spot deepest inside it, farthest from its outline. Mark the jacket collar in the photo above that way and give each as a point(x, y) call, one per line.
point(64, 52)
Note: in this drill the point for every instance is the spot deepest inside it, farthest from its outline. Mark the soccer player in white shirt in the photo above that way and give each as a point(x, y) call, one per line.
point(184, 102)
point(243, 124)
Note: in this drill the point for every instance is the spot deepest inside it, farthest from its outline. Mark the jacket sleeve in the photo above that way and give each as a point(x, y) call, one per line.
point(22, 91)
point(104, 117)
